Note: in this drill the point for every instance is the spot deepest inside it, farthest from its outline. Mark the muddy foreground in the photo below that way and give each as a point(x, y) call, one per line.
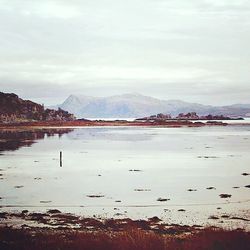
point(54, 230)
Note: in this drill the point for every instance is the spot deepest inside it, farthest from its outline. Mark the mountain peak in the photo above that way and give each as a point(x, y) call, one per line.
point(137, 105)
point(132, 94)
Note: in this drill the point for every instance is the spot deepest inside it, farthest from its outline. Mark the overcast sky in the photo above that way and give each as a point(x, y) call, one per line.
point(194, 50)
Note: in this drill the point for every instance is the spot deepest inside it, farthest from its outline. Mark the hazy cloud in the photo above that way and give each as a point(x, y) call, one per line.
point(196, 50)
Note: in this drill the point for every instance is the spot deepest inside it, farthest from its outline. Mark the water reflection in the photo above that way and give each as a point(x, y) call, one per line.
point(11, 140)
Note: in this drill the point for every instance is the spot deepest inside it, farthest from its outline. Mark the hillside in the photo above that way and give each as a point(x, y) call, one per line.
point(136, 105)
point(15, 109)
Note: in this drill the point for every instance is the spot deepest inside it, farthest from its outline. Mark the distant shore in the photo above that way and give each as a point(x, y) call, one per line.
point(87, 123)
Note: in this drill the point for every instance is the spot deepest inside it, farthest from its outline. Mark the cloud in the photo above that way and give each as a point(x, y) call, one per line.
point(190, 50)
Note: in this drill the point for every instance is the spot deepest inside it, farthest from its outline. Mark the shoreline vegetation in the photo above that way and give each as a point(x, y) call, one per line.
point(56, 230)
point(129, 239)
point(86, 123)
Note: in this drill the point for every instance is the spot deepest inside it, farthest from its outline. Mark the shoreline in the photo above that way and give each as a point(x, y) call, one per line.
point(111, 124)
point(120, 123)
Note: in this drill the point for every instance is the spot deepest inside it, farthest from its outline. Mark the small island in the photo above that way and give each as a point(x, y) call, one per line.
point(191, 116)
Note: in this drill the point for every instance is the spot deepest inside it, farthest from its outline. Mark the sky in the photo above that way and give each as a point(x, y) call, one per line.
point(192, 50)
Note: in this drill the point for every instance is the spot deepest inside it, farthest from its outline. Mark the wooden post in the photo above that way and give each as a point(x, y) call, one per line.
point(60, 158)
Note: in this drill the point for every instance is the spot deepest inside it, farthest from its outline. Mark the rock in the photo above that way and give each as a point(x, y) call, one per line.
point(154, 219)
point(213, 217)
point(163, 199)
point(95, 196)
point(239, 218)
point(245, 174)
point(225, 195)
point(54, 211)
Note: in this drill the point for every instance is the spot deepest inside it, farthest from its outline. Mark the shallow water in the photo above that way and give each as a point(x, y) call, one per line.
point(97, 162)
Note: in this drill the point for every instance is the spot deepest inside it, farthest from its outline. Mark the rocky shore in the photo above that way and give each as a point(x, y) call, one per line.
point(191, 116)
point(85, 123)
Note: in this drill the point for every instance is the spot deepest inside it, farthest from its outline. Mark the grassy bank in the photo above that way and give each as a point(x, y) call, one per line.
point(130, 239)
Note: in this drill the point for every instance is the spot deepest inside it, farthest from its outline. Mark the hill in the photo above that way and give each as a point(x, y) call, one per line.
point(15, 109)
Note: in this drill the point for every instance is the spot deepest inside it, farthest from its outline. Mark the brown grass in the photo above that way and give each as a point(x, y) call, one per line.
point(131, 239)
point(171, 123)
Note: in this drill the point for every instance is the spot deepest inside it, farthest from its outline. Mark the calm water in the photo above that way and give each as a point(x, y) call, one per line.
point(97, 162)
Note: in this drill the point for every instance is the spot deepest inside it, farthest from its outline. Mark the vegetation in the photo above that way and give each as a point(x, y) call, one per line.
point(130, 239)
point(15, 109)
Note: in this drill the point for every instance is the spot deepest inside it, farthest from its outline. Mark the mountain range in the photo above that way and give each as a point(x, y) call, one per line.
point(136, 105)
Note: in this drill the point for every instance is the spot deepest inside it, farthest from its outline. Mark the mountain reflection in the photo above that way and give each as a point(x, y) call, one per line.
point(11, 140)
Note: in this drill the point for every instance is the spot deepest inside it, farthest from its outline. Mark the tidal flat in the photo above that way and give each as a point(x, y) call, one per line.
point(186, 176)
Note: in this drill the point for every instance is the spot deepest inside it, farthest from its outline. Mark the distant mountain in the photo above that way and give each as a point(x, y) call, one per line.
point(136, 105)
point(15, 109)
